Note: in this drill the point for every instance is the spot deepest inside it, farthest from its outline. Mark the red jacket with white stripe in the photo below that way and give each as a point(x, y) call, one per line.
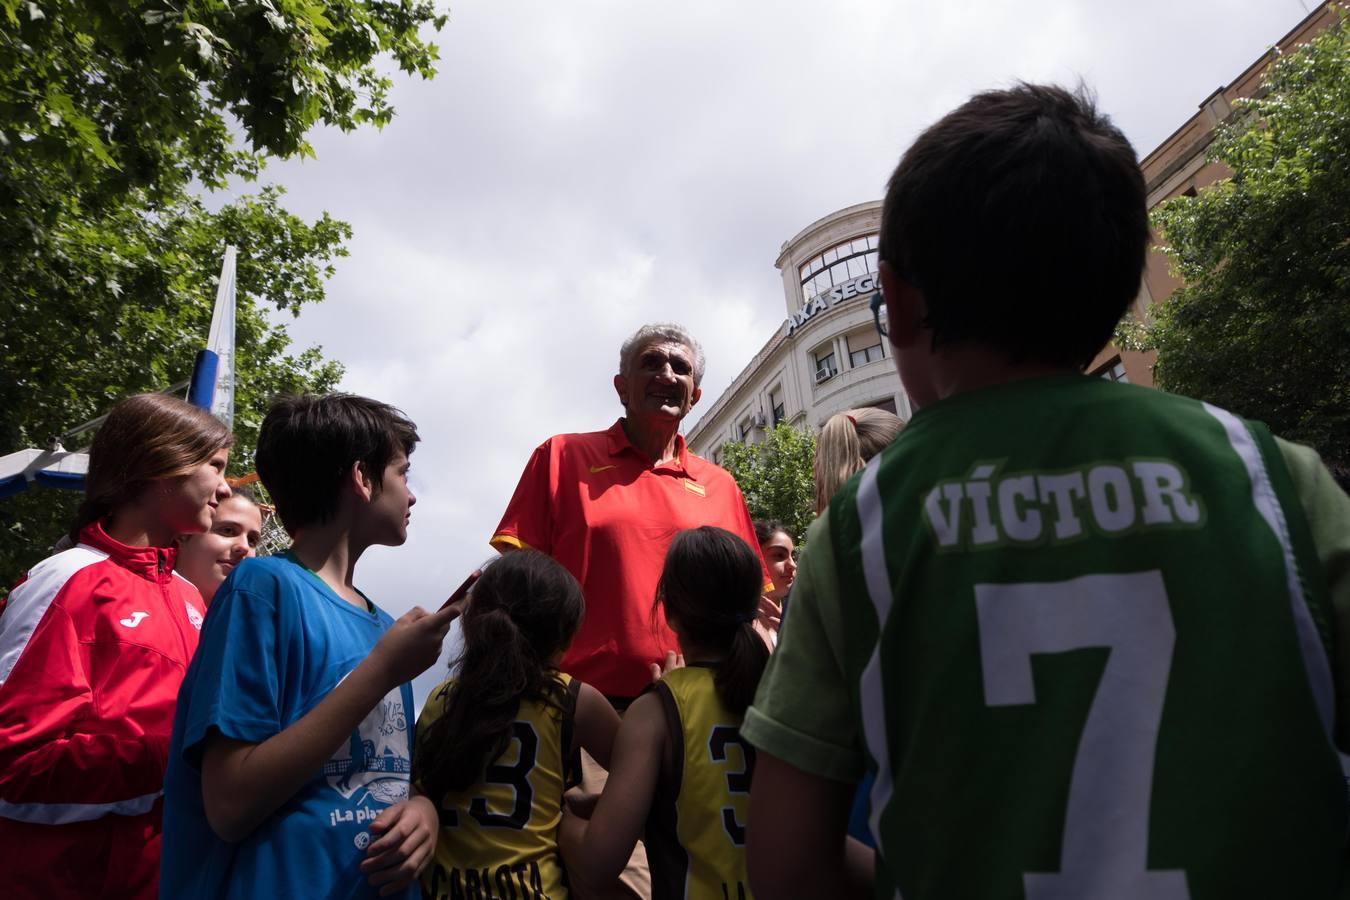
point(94, 643)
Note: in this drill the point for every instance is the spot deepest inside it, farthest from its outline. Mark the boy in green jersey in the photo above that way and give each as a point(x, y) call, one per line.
point(1082, 633)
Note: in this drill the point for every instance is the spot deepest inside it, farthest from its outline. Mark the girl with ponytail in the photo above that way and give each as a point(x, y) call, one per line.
point(681, 770)
point(498, 743)
point(94, 643)
point(845, 444)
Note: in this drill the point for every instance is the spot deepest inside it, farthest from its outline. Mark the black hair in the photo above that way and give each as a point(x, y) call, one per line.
point(765, 529)
point(522, 612)
point(307, 444)
point(711, 585)
point(1022, 218)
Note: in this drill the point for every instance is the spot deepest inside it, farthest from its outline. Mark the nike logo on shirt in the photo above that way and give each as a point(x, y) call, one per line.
point(595, 469)
point(134, 619)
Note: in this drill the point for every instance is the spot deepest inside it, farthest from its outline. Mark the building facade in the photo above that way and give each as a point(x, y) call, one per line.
point(827, 357)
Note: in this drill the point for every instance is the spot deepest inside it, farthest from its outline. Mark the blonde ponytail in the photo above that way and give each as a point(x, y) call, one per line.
point(846, 442)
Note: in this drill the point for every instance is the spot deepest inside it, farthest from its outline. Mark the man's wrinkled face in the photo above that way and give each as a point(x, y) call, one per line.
point(659, 382)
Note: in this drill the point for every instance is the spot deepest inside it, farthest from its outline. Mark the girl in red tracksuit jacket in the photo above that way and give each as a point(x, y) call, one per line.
point(93, 646)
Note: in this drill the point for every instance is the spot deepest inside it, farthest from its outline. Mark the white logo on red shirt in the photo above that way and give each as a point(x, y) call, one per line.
point(134, 619)
point(193, 616)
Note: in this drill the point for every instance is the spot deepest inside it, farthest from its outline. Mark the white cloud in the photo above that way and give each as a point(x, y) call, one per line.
point(579, 169)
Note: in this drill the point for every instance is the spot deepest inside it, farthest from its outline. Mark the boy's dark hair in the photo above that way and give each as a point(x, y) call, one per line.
point(1021, 216)
point(711, 584)
point(522, 612)
point(308, 443)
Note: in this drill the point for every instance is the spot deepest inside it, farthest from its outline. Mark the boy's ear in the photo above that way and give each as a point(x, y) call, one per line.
point(905, 307)
point(359, 482)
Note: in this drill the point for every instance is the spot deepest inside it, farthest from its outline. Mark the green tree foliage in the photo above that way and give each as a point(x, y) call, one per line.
point(115, 115)
point(1262, 324)
point(777, 476)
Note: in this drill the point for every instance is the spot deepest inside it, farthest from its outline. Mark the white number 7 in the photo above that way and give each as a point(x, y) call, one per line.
point(1105, 851)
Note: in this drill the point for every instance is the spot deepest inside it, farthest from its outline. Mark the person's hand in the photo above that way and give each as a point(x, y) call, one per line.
point(673, 661)
point(404, 846)
point(413, 643)
point(770, 614)
point(455, 607)
point(580, 803)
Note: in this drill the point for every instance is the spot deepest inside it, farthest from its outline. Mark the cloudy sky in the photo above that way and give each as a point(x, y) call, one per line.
point(577, 169)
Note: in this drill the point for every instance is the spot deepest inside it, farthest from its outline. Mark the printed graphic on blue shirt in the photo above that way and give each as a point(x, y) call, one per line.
point(374, 766)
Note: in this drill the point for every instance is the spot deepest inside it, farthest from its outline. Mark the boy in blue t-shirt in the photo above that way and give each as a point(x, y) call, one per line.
point(291, 750)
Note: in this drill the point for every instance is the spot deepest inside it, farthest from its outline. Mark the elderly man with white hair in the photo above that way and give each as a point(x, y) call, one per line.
point(606, 505)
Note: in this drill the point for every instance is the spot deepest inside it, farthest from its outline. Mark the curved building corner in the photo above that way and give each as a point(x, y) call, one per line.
point(826, 356)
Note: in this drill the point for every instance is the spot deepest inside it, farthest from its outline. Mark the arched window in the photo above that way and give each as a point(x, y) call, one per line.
point(842, 262)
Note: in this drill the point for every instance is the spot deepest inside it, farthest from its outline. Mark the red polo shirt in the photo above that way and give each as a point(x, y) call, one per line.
point(601, 508)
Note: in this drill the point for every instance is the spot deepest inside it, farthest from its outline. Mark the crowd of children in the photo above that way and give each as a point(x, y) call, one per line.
point(1075, 639)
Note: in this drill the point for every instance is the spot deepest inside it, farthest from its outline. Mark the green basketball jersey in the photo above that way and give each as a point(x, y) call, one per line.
point(1090, 640)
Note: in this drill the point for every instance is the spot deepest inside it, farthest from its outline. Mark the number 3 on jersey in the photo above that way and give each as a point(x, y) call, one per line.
point(1113, 768)
point(738, 781)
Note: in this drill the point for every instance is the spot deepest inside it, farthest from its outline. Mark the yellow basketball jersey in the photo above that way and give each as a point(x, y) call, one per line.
point(696, 830)
point(499, 838)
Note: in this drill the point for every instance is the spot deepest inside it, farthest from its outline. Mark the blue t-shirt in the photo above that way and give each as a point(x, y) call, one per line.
point(275, 642)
